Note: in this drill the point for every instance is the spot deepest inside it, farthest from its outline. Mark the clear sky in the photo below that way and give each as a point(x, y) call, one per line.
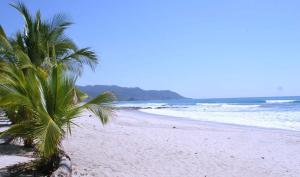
point(207, 48)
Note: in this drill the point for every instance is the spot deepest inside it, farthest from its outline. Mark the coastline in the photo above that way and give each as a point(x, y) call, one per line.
point(138, 144)
point(208, 123)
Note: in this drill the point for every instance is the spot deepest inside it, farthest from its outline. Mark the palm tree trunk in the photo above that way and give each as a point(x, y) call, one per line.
point(64, 167)
point(28, 142)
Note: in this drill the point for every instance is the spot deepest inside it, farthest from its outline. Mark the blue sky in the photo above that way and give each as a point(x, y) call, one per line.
point(229, 48)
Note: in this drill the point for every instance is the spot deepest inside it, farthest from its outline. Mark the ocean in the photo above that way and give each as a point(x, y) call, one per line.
point(266, 112)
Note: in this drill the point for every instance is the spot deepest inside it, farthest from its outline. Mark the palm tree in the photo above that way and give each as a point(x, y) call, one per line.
point(40, 38)
point(48, 101)
point(37, 89)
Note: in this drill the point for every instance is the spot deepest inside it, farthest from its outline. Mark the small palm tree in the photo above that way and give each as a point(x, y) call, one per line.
point(45, 45)
point(37, 83)
point(48, 101)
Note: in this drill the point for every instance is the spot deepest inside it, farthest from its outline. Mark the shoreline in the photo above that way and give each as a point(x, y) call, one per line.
point(209, 123)
point(136, 144)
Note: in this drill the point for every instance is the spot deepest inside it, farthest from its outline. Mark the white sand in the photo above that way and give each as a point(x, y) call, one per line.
point(140, 145)
point(15, 153)
point(8, 160)
point(12, 154)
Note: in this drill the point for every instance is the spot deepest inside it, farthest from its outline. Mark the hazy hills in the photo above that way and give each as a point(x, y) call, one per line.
point(130, 94)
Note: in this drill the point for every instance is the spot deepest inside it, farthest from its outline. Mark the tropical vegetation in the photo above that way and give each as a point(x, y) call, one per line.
point(38, 71)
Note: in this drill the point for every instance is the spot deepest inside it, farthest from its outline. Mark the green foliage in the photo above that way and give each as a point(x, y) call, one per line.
point(48, 101)
point(45, 40)
point(38, 72)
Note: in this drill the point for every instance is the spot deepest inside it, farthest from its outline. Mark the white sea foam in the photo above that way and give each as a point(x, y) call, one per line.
point(268, 119)
point(210, 104)
point(240, 106)
point(224, 106)
point(280, 101)
point(141, 105)
point(267, 114)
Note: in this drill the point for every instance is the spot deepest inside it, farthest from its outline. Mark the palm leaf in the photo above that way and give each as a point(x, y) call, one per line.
point(101, 106)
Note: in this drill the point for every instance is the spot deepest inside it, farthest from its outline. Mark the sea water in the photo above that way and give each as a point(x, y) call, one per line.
point(267, 112)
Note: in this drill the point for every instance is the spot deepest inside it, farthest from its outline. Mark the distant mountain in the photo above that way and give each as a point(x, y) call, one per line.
point(130, 94)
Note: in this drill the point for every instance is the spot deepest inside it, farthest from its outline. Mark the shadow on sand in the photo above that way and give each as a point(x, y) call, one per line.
point(20, 169)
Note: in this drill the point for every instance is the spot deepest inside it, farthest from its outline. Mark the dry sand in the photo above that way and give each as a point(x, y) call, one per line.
point(12, 154)
point(136, 144)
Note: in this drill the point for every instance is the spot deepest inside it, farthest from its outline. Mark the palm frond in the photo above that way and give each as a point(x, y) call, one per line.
point(48, 135)
point(4, 42)
point(101, 106)
point(82, 56)
point(60, 21)
point(24, 12)
point(20, 129)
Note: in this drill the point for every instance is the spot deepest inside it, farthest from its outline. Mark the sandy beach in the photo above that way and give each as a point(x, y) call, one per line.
point(136, 144)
